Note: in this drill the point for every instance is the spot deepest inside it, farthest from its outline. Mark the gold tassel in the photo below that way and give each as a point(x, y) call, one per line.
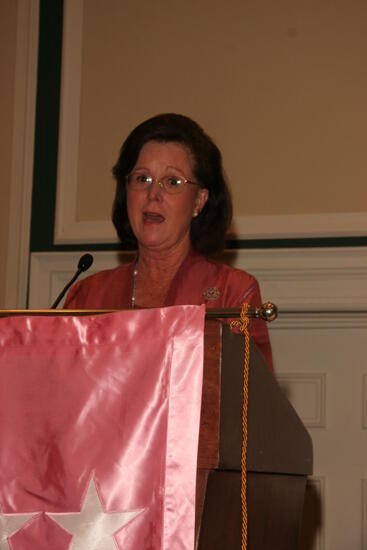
point(242, 326)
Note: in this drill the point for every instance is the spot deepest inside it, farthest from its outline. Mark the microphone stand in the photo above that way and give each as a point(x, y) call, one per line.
point(84, 263)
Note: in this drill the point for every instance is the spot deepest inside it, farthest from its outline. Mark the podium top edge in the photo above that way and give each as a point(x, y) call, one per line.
point(226, 313)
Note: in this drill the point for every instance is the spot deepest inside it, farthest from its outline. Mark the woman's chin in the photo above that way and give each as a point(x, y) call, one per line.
point(166, 245)
point(153, 244)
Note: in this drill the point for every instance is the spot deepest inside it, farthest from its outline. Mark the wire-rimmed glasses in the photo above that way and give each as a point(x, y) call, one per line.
point(140, 181)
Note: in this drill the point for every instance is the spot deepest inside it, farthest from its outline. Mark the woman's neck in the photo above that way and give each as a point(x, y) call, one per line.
point(155, 272)
point(157, 263)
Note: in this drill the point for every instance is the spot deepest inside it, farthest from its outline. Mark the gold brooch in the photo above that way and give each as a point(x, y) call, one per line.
point(211, 293)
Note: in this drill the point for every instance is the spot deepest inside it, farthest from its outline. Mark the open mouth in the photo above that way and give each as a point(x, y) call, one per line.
point(152, 217)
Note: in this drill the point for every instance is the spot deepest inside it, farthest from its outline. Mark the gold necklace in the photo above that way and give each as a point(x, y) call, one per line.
point(132, 301)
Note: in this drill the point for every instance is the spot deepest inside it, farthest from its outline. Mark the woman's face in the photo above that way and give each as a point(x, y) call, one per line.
point(159, 220)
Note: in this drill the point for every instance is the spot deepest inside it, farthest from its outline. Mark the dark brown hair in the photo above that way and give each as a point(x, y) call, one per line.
point(208, 230)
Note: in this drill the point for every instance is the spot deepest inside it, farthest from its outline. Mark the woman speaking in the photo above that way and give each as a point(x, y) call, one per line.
point(173, 206)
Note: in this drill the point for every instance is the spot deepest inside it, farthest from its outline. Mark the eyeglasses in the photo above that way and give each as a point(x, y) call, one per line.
point(172, 184)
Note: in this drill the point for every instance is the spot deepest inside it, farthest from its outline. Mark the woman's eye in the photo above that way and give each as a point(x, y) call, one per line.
point(174, 182)
point(142, 178)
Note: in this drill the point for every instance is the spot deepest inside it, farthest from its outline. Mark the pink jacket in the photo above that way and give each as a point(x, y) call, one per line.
point(197, 281)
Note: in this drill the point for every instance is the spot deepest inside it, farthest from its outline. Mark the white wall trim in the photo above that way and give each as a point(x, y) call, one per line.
point(67, 228)
point(307, 394)
point(50, 271)
point(299, 225)
point(319, 320)
point(310, 279)
point(364, 513)
point(22, 153)
point(297, 280)
point(364, 405)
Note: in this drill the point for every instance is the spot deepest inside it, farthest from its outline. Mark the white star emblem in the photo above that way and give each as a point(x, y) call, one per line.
point(92, 528)
point(9, 524)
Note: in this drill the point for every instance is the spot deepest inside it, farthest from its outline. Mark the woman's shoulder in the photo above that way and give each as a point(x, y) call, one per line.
point(230, 287)
point(104, 289)
point(106, 276)
point(217, 284)
point(223, 270)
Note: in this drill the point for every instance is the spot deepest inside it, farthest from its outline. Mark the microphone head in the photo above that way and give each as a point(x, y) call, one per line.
point(85, 262)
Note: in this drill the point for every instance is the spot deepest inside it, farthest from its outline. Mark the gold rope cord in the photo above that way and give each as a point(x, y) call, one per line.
point(242, 326)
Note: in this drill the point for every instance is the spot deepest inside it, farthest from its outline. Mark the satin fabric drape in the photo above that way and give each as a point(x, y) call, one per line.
point(110, 399)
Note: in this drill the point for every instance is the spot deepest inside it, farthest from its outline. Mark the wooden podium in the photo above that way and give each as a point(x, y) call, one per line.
point(279, 452)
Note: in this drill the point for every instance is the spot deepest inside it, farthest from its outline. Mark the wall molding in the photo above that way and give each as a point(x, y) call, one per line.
point(313, 288)
point(303, 283)
point(364, 404)
point(319, 320)
point(50, 272)
point(22, 153)
point(307, 394)
point(68, 229)
point(299, 225)
point(364, 514)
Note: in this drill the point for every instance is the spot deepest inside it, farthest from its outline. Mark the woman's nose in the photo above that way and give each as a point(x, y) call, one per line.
point(155, 190)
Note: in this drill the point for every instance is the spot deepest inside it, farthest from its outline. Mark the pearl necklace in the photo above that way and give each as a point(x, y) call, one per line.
point(132, 301)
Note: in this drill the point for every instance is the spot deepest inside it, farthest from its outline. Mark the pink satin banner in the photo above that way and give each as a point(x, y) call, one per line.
point(99, 421)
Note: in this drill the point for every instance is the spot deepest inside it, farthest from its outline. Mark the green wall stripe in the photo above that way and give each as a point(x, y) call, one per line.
point(47, 125)
point(319, 242)
point(311, 242)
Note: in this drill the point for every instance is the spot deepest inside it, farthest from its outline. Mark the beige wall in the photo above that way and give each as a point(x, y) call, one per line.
point(8, 17)
point(281, 86)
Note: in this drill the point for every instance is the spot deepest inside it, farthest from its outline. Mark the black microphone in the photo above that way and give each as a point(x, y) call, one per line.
point(84, 263)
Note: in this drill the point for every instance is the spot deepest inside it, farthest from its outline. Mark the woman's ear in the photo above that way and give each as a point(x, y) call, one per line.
point(201, 198)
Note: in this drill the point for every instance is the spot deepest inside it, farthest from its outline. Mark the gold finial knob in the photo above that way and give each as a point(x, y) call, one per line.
point(269, 311)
